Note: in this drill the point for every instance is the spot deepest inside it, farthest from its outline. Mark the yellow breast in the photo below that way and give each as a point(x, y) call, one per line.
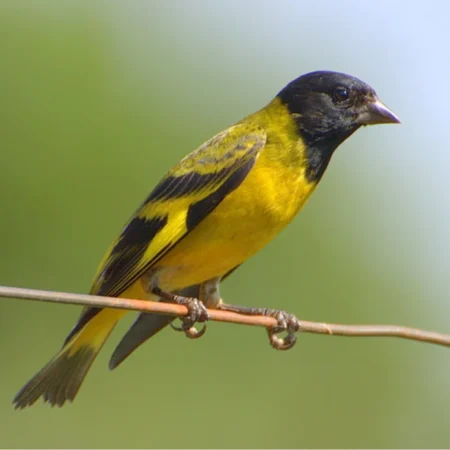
point(247, 219)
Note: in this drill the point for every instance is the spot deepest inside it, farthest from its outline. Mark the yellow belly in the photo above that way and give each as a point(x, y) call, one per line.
point(241, 225)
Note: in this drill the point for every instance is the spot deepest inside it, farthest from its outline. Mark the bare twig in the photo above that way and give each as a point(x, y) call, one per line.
point(414, 334)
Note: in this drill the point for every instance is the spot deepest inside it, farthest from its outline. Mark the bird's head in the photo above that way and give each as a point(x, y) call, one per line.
point(328, 107)
point(331, 106)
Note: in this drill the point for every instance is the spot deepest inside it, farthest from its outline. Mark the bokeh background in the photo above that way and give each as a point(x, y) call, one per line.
point(100, 98)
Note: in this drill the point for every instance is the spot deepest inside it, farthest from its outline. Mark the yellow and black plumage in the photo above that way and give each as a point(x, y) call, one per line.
point(215, 209)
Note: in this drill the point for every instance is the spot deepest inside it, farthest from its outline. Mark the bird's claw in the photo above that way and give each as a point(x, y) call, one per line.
point(286, 322)
point(197, 312)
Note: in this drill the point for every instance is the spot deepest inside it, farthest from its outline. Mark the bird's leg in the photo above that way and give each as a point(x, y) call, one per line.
point(196, 311)
point(286, 322)
point(209, 293)
point(209, 296)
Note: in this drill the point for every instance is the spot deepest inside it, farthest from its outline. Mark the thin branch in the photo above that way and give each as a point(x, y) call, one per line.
point(414, 334)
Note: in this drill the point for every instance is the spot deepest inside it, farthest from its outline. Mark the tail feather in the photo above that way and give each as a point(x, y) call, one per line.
point(60, 379)
point(144, 327)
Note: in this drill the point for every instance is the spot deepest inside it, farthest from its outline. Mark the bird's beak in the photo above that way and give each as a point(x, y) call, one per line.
point(375, 112)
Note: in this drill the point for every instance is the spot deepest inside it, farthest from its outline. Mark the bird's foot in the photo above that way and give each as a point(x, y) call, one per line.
point(197, 312)
point(285, 322)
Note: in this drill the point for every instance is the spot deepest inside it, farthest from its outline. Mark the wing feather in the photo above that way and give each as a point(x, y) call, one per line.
point(186, 195)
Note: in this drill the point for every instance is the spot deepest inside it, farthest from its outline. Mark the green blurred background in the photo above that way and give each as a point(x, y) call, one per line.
point(99, 99)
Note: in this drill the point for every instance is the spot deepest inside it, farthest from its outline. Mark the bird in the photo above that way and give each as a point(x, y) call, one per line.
point(212, 211)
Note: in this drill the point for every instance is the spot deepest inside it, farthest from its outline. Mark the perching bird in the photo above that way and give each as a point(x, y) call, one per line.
point(219, 206)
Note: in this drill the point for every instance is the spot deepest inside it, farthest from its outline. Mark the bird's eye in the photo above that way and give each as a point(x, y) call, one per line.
point(340, 94)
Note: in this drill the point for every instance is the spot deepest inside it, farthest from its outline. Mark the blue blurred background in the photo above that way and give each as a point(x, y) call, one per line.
point(99, 99)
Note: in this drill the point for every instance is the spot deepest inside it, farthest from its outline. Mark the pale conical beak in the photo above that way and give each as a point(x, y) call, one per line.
point(375, 112)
